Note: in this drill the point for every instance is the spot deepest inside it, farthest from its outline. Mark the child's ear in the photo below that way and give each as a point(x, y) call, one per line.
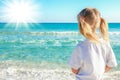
point(82, 18)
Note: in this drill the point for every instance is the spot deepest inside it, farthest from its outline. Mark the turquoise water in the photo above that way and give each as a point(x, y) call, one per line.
point(46, 44)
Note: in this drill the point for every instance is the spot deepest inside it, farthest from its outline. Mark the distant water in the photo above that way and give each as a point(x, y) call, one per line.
point(41, 51)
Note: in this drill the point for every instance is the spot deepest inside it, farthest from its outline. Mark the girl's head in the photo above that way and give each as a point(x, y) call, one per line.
point(89, 19)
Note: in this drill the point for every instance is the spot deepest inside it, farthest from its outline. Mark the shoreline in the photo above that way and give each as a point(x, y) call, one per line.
point(24, 71)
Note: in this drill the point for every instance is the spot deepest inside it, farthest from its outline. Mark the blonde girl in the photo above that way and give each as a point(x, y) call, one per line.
point(94, 56)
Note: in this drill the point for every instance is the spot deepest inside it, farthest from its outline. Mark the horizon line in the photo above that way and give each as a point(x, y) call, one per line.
point(43, 22)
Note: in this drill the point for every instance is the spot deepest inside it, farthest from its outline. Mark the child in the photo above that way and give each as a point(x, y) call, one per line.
point(93, 56)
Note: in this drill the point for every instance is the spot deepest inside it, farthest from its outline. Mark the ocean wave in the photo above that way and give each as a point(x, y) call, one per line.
point(114, 33)
point(42, 33)
point(17, 71)
point(49, 32)
point(28, 71)
point(113, 75)
point(65, 33)
point(43, 42)
point(52, 38)
point(56, 33)
point(50, 42)
point(13, 73)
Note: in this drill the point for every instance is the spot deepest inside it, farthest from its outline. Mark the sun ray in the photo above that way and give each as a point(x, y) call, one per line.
point(20, 11)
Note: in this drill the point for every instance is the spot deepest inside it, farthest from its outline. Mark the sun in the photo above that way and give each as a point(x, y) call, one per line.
point(21, 11)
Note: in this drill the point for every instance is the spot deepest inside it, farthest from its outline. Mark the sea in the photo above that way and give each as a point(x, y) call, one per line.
point(40, 51)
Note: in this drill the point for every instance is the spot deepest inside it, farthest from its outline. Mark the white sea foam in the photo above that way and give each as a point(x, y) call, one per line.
point(66, 33)
point(56, 33)
point(53, 33)
point(18, 71)
point(48, 42)
point(113, 75)
point(114, 33)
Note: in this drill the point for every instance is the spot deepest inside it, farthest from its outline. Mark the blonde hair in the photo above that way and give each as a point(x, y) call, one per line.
point(89, 20)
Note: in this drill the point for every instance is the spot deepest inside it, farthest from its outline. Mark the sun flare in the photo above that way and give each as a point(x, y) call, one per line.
point(21, 11)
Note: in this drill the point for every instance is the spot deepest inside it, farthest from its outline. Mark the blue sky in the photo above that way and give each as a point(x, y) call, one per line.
point(66, 10)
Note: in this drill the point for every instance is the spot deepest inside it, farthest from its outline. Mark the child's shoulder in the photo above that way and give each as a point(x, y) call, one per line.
point(83, 43)
point(86, 43)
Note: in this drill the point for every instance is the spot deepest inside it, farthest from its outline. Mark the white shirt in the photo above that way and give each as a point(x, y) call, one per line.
point(91, 59)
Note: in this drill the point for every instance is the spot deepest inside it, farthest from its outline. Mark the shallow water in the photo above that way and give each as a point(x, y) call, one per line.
point(42, 51)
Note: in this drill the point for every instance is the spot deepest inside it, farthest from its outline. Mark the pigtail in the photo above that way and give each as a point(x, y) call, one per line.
point(104, 29)
point(85, 30)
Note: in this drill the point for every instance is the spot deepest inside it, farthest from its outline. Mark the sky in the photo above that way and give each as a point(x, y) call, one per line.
point(66, 10)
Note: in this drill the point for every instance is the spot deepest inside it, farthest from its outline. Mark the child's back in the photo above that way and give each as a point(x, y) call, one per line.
point(91, 59)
